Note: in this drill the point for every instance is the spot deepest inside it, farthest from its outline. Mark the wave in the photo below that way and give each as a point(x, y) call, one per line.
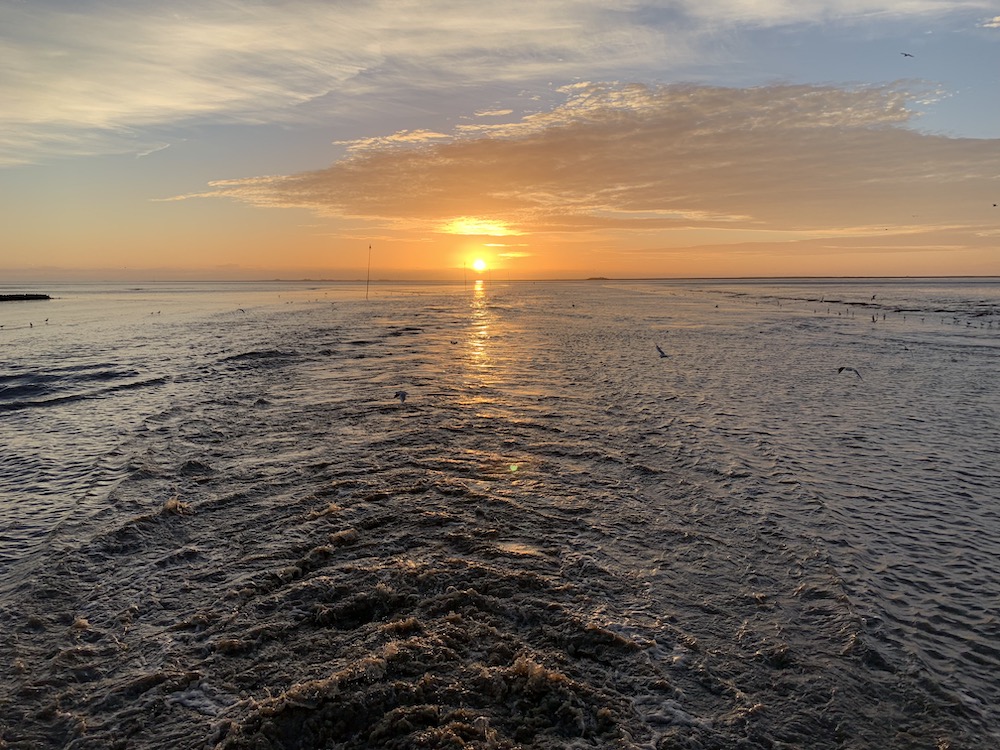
point(41, 390)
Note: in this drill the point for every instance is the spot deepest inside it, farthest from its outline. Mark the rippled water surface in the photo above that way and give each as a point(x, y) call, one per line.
point(220, 528)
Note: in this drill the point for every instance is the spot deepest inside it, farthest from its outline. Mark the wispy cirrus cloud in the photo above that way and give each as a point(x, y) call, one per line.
point(90, 77)
point(401, 139)
point(86, 76)
point(781, 12)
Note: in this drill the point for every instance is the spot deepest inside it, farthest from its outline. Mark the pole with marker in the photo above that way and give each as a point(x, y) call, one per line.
point(368, 278)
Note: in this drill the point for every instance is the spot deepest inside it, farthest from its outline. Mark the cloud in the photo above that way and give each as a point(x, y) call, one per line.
point(90, 77)
point(77, 75)
point(400, 139)
point(627, 157)
point(991, 23)
point(783, 12)
point(152, 150)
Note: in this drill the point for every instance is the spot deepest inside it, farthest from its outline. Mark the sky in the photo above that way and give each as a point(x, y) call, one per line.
point(259, 139)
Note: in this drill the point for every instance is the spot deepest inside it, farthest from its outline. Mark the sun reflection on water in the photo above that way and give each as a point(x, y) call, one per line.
point(491, 379)
point(480, 328)
point(481, 357)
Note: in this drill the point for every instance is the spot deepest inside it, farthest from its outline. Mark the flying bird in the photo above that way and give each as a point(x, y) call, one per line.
point(662, 353)
point(906, 54)
point(850, 369)
point(401, 395)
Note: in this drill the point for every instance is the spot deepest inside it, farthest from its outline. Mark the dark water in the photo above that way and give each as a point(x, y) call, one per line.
point(220, 529)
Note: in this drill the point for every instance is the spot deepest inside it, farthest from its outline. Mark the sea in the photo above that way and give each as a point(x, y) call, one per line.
point(698, 514)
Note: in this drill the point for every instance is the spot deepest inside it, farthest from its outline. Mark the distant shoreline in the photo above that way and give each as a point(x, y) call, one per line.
point(22, 297)
point(531, 280)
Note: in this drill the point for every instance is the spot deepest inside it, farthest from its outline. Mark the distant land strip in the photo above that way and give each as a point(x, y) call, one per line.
point(22, 297)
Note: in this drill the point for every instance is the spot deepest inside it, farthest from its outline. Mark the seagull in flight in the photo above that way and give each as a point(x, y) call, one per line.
point(401, 395)
point(662, 353)
point(906, 54)
point(850, 369)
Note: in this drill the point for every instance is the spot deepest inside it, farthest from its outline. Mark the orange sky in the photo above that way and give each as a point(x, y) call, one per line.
point(249, 142)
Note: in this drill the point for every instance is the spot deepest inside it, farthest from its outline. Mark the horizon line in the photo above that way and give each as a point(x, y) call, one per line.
point(314, 280)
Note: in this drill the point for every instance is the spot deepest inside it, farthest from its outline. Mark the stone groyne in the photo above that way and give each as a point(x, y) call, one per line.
point(22, 297)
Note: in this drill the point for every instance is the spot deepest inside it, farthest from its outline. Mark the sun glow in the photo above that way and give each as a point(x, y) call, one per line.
point(472, 225)
point(479, 265)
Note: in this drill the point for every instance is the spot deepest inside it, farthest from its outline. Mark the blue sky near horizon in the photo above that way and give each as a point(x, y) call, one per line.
point(720, 137)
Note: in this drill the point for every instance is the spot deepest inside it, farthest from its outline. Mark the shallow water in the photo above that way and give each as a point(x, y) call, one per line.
point(220, 528)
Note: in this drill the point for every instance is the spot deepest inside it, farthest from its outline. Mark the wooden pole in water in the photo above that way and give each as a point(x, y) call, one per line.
point(368, 278)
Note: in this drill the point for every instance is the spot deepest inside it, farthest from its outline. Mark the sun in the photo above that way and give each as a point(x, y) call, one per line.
point(479, 265)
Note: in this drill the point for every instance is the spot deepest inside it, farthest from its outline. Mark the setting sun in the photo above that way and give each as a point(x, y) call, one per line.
point(479, 265)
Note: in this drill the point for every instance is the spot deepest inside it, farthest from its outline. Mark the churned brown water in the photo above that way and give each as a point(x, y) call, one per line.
point(221, 529)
